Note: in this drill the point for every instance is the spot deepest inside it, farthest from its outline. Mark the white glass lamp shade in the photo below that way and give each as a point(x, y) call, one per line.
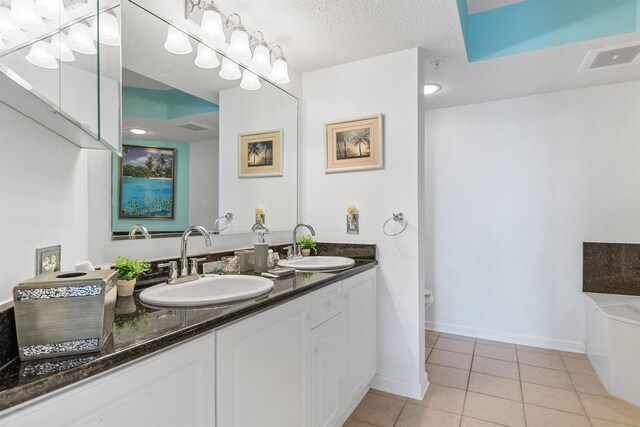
point(177, 42)
point(280, 71)
point(239, 45)
point(229, 70)
point(250, 81)
point(261, 61)
point(109, 29)
point(211, 27)
point(207, 57)
point(2, 45)
point(60, 50)
point(81, 40)
point(40, 56)
point(8, 30)
point(23, 13)
point(52, 9)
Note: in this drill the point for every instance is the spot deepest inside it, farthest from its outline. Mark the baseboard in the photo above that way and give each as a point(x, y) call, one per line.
point(401, 388)
point(522, 339)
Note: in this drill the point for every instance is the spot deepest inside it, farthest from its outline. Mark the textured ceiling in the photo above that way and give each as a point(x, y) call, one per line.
point(317, 34)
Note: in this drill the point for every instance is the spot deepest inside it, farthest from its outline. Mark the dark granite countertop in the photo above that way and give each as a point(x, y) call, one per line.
point(611, 268)
point(140, 330)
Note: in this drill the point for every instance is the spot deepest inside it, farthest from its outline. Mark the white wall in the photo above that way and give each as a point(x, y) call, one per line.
point(513, 189)
point(203, 182)
point(43, 198)
point(242, 112)
point(389, 85)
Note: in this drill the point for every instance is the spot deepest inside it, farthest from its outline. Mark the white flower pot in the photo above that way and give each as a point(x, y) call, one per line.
point(305, 252)
point(125, 287)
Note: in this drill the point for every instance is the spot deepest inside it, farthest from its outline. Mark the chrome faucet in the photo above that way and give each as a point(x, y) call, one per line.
point(142, 229)
point(296, 250)
point(184, 264)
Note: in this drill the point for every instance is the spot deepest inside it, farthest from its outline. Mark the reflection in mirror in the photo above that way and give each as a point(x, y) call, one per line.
point(198, 148)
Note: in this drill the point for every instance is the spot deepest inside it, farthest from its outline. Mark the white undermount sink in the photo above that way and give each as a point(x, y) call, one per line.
point(207, 291)
point(318, 263)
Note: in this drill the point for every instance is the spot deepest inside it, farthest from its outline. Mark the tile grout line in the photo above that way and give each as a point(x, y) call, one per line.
point(576, 391)
point(524, 412)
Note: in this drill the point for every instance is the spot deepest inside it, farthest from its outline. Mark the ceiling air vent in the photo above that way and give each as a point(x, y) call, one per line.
point(612, 56)
point(193, 127)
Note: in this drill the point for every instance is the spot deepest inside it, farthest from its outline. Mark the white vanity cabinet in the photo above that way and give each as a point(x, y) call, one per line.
point(264, 368)
point(327, 375)
point(175, 387)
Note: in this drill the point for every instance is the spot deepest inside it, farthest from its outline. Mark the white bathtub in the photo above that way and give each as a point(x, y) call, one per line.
point(613, 342)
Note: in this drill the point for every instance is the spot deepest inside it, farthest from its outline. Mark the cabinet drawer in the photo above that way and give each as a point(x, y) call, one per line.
point(325, 304)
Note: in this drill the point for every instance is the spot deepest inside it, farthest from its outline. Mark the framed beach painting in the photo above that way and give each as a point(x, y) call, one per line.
point(147, 183)
point(260, 154)
point(354, 144)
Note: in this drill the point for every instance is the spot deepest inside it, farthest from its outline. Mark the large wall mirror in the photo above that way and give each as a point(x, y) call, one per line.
point(198, 147)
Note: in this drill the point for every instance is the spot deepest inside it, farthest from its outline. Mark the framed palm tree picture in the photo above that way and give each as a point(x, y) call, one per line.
point(147, 183)
point(260, 154)
point(354, 144)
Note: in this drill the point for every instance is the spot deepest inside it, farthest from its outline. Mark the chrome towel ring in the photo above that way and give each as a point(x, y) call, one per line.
point(397, 217)
point(216, 225)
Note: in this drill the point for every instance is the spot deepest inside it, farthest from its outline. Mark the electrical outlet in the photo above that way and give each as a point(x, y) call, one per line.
point(48, 259)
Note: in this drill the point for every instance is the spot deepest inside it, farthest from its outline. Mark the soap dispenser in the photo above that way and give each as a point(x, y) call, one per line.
point(261, 253)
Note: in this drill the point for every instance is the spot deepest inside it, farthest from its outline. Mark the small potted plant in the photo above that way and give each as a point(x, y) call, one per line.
point(307, 245)
point(128, 271)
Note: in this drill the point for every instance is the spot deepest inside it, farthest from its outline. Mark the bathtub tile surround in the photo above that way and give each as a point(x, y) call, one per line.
point(611, 268)
point(147, 330)
point(490, 392)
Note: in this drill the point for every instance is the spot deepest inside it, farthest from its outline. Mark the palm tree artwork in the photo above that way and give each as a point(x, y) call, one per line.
point(353, 144)
point(260, 153)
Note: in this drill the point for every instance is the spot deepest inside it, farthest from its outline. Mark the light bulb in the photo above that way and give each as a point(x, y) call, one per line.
point(23, 13)
point(430, 88)
point(81, 40)
point(261, 61)
point(52, 9)
point(249, 81)
point(211, 26)
point(137, 131)
point(239, 44)
point(60, 50)
point(8, 30)
point(109, 29)
point(206, 57)
point(177, 42)
point(229, 70)
point(280, 71)
point(40, 56)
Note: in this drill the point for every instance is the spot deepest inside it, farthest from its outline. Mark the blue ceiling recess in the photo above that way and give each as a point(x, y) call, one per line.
point(162, 104)
point(537, 24)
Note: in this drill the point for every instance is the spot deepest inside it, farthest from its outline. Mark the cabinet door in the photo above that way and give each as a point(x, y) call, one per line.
point(264, 369)
point(360, 329)
point(173, 388)
point(326, 378)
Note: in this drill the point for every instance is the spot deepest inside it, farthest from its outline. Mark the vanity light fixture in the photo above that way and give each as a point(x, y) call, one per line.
point(279, 72)
point(137, 131)
point(430, 88)
point(8, 30)
point(239, 44)
point(211, 27)
point(23, 13)
point(2, 45)
point(52, 9)
point(109, 29)
point(229, 70)
point(80, 39)
point(207, 57)
point(177, 42)
point(40, 56)
point(261, 61)
point(59, 49)
point(250, 81)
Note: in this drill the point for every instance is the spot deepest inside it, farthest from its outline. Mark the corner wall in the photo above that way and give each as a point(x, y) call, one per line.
point(514, 188)
point(43, 198)
point(388, 84)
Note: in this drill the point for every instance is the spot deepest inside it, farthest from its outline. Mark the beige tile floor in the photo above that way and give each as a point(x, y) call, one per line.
point(480, 383)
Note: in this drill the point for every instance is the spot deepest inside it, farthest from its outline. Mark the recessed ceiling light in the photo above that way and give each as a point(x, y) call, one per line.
point(430, 88)
point(138, 131)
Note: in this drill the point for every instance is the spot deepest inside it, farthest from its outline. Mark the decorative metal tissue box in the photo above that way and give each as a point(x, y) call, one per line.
point(59, 314)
